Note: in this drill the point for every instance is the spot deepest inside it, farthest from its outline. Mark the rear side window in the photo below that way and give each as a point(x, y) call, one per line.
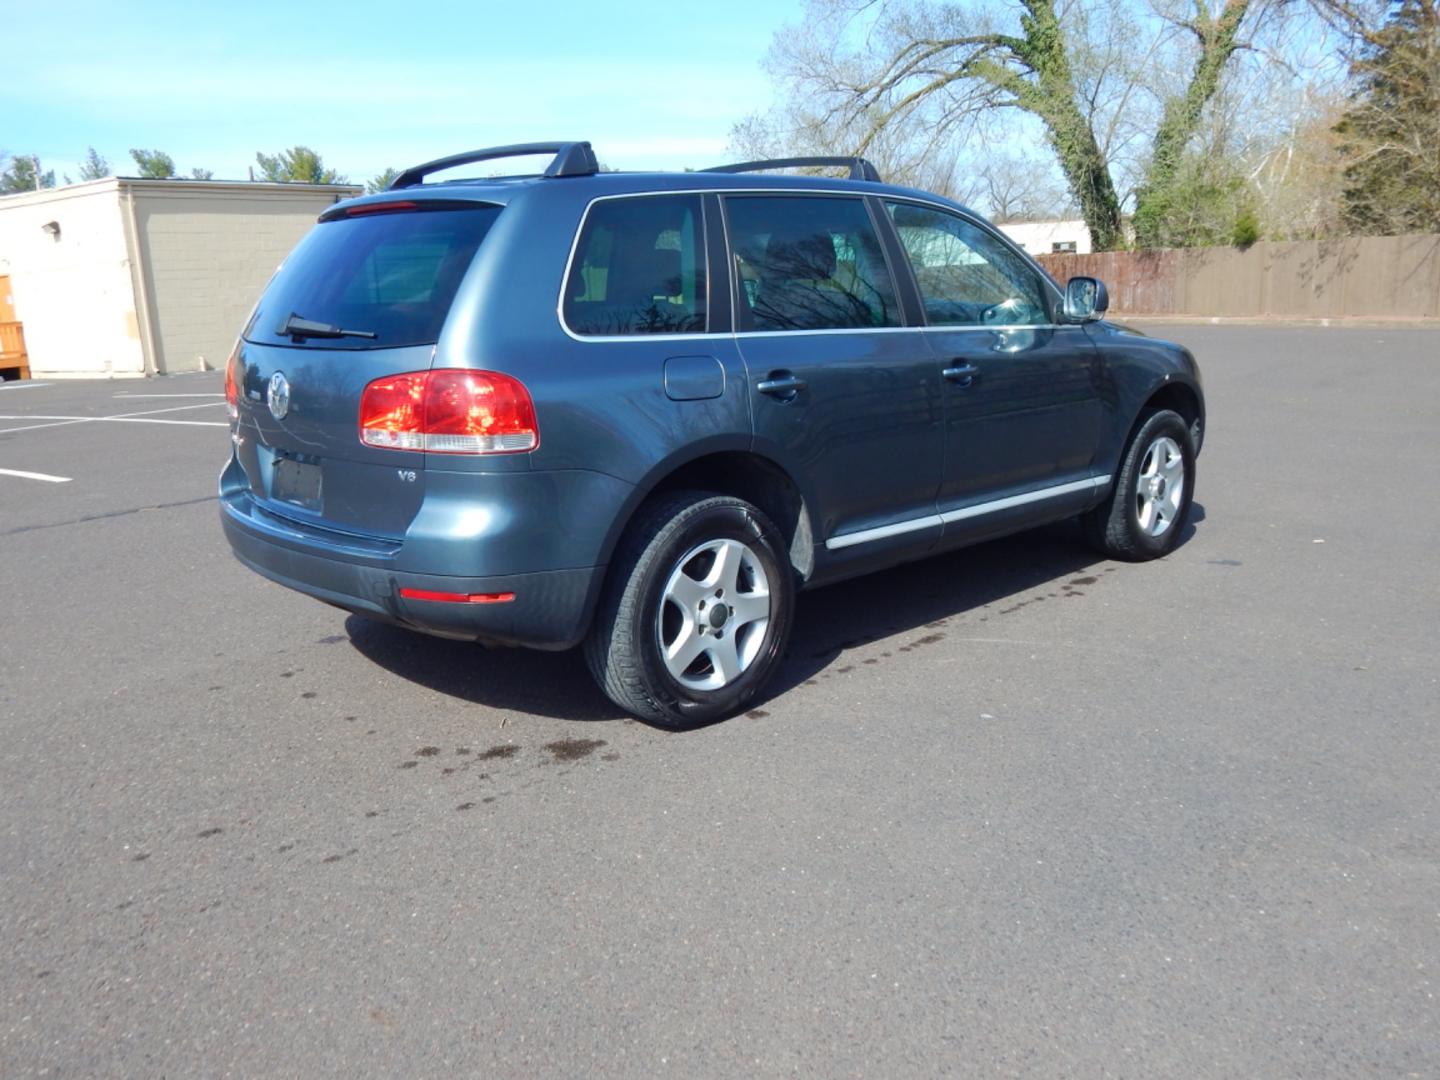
point(639, 268)
point(391, 274)
point(809, 263)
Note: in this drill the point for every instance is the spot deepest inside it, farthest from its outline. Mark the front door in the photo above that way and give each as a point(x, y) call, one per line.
point(1024, 395)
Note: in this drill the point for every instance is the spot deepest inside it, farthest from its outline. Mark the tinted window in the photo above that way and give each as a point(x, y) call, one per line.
point(639, 268)
point(394, 274)
point(966, 276)
point(809, 263)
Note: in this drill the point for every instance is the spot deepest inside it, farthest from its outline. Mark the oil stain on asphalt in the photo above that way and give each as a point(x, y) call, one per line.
point(574, 749)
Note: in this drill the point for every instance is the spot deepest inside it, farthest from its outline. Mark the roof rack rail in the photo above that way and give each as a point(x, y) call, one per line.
point(571, 159)
point(860, 169)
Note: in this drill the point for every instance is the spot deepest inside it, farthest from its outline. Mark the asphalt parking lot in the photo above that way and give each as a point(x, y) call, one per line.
point(1015, 810)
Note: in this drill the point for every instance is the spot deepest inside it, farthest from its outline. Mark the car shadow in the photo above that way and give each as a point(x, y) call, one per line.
point(550, 684)
point(889, 604)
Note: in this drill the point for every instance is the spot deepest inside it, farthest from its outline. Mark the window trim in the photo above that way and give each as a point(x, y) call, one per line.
point(720, 301)
point(710, 335)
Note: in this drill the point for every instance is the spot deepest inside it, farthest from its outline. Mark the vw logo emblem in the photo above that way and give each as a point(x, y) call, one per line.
point(277, 396)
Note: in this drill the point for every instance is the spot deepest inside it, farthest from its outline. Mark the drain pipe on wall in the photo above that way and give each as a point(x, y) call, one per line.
point(137, 279)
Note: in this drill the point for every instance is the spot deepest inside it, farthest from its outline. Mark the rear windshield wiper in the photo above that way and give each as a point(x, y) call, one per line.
point(297, 328)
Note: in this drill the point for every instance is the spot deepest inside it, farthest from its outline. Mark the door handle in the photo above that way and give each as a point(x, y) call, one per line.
point(964, 374)
point(782, 385)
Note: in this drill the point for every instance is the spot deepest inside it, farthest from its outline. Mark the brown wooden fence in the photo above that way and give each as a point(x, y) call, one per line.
point(1387, 277)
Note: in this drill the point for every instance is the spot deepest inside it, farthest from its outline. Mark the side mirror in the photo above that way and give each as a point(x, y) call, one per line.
point(1086, 299)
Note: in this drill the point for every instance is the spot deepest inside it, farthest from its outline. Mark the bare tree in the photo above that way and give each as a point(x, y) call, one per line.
point(1019, 188)
point(1217, 36)
point(903, 154)
point(1101, 83)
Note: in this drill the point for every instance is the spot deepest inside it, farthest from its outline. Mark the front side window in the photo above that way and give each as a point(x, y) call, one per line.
point(639, 268)
point(966, 276)
point(809, 263)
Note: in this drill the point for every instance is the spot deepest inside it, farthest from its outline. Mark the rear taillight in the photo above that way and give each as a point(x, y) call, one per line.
point(232, 385)
point(449, 411)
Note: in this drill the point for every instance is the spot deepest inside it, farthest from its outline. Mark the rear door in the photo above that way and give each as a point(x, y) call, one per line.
point(378, 283)
point(1025, 402)
point(844, 394)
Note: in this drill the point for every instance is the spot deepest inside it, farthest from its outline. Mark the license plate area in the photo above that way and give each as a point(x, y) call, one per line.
point(296, 481)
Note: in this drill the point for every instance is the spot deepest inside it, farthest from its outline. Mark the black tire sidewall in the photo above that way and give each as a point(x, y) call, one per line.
point(1161, 424)
point(718, 519)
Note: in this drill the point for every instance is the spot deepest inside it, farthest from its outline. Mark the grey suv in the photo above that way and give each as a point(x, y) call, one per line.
point(639, 411)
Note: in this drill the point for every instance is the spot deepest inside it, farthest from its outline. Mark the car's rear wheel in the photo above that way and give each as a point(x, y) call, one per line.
point(696, 610)
point(1149, 502)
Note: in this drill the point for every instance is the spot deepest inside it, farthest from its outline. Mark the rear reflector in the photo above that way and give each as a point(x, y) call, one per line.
point(449, 411)
point(458, 597)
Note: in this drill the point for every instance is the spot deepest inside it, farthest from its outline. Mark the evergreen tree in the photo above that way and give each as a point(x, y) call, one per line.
point(24, 174)
point(1390, 135)
point(298, 165)
point(154, 164)
point(382, 181)
point(94, 167)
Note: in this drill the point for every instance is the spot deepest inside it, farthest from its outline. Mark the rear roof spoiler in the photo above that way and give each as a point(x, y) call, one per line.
point(571, 159)
point(860, 169)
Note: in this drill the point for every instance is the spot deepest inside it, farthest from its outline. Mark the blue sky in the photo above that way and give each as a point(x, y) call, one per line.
point(369, 84)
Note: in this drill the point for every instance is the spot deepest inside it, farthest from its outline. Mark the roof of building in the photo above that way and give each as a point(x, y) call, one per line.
point(174, 184)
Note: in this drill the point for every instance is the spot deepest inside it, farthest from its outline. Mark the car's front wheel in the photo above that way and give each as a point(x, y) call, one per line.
point(696, 611)
point(1149, 502)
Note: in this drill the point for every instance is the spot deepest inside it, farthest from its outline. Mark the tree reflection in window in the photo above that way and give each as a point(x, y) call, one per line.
point(809, 263)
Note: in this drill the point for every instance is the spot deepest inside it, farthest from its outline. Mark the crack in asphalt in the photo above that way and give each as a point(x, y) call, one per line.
point(111, 514)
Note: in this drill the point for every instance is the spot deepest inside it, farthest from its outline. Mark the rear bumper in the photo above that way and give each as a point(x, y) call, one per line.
point(551, 608)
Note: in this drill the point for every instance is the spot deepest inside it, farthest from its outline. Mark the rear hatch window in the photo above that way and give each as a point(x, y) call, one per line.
point(373, 279)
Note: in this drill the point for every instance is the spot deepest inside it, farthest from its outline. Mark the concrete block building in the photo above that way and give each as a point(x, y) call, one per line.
point(1050, 237)
point(128, 277)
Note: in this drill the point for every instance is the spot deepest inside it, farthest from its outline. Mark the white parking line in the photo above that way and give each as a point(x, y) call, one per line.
point(123, 395)
point(22, 385)
point(35, 476)
point(132, 418)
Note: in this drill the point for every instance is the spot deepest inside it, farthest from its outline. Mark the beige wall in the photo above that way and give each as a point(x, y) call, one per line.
point(163, 271)
point(1378, 277)
point(207, 253)
point(72, 293)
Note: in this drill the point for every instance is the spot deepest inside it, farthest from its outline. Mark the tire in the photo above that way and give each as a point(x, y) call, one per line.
point(1149, 503)
point(696, 611)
